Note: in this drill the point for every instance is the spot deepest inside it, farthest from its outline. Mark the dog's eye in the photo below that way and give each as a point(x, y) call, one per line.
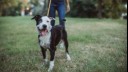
point(40, 20)
point(47, 21)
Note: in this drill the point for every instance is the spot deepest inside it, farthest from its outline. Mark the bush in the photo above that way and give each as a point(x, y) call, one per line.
point(83, 9)
point(90, 8)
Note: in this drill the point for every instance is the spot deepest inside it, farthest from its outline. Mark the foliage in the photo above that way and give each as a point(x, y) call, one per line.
point(79, 8)
point(83, 8)
point(90, 8)
point(7, 5)
point(112, 8)
point(38, 9)
point(35, 2)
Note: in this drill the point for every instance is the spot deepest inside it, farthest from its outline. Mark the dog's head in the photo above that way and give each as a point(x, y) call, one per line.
point(43, 24)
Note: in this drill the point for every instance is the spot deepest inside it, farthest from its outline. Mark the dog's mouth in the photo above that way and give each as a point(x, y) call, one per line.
point(43, 32)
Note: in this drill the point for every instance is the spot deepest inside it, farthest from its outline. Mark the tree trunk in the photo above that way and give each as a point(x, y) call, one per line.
point(100, 8)
point(45, 7)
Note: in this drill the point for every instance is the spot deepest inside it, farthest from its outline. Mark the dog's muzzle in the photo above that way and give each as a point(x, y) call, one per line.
point(44, 26)
point(44, 30)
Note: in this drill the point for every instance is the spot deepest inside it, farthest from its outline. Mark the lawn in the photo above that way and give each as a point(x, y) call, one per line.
point(95, 45)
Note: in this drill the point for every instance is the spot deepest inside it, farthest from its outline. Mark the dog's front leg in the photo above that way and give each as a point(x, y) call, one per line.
point(52, 54)
point(44, 55)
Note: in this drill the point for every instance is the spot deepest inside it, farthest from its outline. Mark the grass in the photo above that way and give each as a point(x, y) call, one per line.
point(95, 46)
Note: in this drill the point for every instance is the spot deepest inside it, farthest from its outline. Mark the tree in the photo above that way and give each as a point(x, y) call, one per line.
point(83, 8)
point(40, 6)
point(6, 4)
point(100, 8)
point(112, 8)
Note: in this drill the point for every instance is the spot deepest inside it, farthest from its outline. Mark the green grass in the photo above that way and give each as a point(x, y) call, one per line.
point(95, 46)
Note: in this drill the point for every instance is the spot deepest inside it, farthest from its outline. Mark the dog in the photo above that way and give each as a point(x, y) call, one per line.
point(49, 37)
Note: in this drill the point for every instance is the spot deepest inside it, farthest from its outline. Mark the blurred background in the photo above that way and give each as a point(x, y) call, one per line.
point(97, 35)
point(79, 8)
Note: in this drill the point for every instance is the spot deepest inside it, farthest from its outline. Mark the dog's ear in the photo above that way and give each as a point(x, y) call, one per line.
point(37, 17)
point(51, 18)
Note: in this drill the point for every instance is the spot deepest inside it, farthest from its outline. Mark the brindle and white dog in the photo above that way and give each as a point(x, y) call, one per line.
point(49, 37)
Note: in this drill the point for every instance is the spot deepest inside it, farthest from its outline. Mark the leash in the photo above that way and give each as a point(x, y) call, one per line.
point(49, 8)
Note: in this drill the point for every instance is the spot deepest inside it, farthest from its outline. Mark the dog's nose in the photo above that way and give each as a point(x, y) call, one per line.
point(44, 26)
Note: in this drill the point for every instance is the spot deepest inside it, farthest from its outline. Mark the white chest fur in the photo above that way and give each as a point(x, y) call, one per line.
point(45, 40)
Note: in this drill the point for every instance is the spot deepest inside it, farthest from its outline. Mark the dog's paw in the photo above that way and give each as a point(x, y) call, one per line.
point(68, 57)
point(49, 70)
point(51, 66)
point(45, 61)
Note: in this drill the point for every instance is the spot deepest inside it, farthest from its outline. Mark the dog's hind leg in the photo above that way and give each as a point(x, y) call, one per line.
point(66, 49)
point(66, 45)
point(44, 55)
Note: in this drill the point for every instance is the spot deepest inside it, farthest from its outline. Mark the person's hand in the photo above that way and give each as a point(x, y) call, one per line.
point(68, 8)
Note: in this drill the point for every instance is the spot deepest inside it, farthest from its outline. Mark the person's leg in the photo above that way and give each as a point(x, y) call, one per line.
point(61, 13)
point(52, 13)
